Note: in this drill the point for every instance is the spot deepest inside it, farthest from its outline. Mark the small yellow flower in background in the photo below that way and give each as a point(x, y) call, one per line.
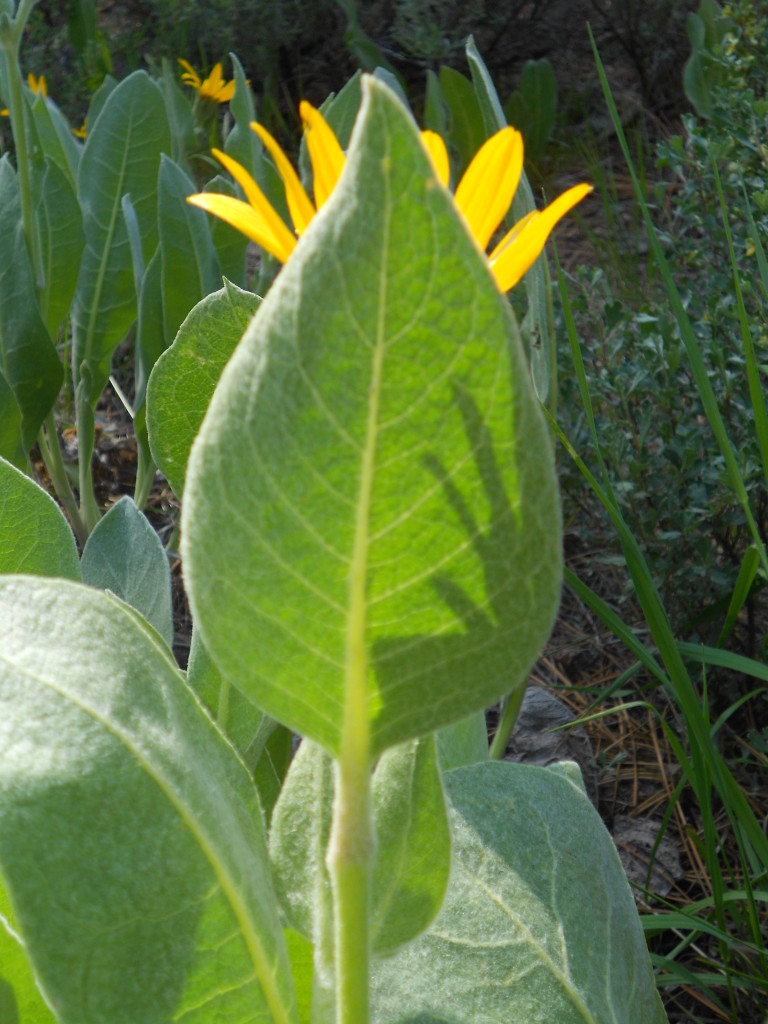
point(82, 131)
point(484, 195)
point(211, 88)
point(38, 87)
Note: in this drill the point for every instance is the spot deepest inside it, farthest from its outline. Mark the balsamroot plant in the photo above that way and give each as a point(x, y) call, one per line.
point(372, 551)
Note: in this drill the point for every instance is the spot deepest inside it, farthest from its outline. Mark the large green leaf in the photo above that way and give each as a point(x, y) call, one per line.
point(131, 842)
point(121, 157)
point(124, 554)
point(61, 242)
point(190, 266)
point(150, 335)
point(413, 849)
point(230, 244)
point(185, 376)
point(370, 513)
point(28, 359)
point(246, 726)
point(464, 742)
point(413, 844)
point(54, 136)
point(35, 538)
point(179, 111)
point(244, 145)
point(11, 446)
point(538, 926)
point(298, 841)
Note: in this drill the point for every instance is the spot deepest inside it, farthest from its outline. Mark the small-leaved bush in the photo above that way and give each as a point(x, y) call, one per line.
point(671, 477)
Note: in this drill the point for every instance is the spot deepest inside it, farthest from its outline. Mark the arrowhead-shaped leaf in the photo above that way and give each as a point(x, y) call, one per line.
point(538, 926)
point(190, 266)
point(35, 538)
point(124, 554)
point(185, 376)
point(61, 238)
point(131, 840)
point(52, 133)
point(370, 510)
point(121, 157)
point(413, 844)
point(410, 871)
point(298, 841)
point(28, 358)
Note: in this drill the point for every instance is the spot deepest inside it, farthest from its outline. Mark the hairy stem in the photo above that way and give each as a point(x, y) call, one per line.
point(349, 863)
point(48, 442)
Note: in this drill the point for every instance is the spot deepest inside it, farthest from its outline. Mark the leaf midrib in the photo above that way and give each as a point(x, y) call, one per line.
point(356, 726)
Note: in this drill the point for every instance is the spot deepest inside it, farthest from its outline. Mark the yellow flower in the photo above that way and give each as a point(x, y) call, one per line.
point(483, 196)
point(37, 85)
point(212, 88)
point(257, 218)
point(82, 131)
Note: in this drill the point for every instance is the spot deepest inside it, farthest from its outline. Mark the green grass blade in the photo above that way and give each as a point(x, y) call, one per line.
point(741, 591)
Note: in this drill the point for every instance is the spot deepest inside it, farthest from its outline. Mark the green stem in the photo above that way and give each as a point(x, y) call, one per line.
point(48, 442)
point(88, 505)
point(172, 544)
point(10, 40)
point(145, 474)
point(349, 863)
point(512, 706)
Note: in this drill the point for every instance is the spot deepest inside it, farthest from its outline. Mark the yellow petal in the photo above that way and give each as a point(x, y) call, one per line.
point(244, 218)
point(511, 235)
point(325, 153)
point(485, 192)
point(518, 250)
point(37, 85)
point(439, 154)
point(215, 80)
point(190, 76)
point(226, 92)
point(299, 204)
point(259, 202)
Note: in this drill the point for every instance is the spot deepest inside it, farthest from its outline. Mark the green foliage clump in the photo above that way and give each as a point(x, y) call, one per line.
point(652, 426)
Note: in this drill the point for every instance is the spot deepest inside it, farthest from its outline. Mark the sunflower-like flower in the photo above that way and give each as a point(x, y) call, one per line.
point(483, 196)
point(211, 88)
